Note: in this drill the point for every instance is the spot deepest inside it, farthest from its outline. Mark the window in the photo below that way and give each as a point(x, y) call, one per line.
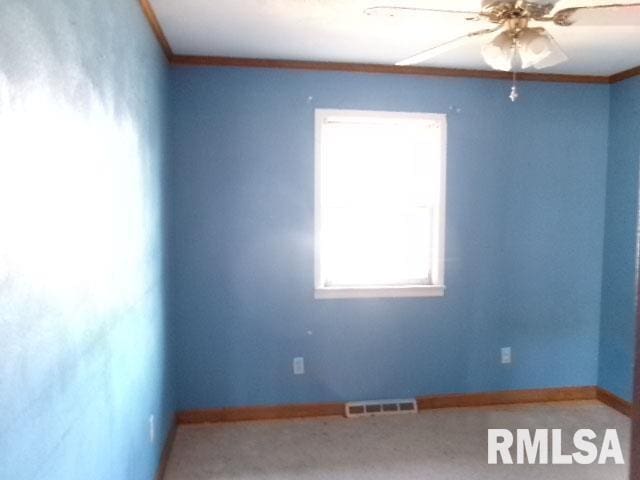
point(380, 210)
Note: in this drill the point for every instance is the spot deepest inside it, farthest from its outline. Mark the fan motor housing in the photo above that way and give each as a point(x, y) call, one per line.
point(499, 11)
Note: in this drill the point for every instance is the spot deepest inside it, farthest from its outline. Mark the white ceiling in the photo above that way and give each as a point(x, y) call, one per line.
point(337, 30)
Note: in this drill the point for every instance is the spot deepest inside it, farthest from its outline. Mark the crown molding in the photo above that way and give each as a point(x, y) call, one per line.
point(624, 75)
point(213, 61)
point(192, 60)
point(148, 11)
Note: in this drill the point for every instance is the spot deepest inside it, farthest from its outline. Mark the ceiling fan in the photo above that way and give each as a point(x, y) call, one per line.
point(518, 28)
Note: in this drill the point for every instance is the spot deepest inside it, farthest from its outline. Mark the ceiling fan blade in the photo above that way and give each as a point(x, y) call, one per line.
point(444, 47)
point(391, 11)
point(556, 56)
point(613, 14)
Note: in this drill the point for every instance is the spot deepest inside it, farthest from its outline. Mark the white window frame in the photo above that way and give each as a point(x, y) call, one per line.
point(437, 289)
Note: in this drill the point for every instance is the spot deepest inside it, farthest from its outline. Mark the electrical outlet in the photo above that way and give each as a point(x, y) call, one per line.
point(298, 366)
point(505, 354)
point(152, 429)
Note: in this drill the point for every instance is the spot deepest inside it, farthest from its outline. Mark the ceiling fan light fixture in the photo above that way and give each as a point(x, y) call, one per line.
point(555, 57)
point(534, 47)
point(499, 53)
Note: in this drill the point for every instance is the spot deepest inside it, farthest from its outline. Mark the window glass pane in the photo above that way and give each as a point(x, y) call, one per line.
point(381, 247)
point(380, 200)
point(378, 164)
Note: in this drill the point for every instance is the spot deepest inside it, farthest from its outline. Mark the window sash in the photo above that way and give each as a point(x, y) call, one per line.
point(429, 281)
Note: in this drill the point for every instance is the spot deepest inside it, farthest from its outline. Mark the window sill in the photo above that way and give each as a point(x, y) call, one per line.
point(414, 291)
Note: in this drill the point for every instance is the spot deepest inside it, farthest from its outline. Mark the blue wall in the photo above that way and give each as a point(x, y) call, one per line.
point(619, 275)
point(525, 219)
point(82, 343)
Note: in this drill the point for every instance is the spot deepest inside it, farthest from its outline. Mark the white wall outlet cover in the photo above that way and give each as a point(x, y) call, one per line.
point(505, 354)
point(298, 366)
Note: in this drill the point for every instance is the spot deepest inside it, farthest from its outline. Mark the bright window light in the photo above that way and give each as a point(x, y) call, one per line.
point(380, 179)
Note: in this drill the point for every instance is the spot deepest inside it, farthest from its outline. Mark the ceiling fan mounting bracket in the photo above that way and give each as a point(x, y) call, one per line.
point(501, 11)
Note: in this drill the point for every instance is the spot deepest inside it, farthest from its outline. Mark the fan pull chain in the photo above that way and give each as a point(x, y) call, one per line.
point(514, 88)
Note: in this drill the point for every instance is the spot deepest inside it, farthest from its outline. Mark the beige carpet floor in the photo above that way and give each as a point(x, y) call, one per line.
point(446, 444)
